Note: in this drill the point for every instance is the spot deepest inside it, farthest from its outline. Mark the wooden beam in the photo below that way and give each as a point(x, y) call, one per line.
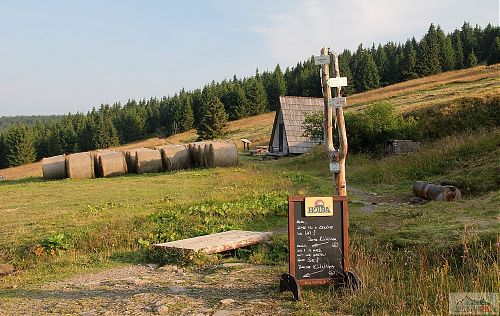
point(219, 242)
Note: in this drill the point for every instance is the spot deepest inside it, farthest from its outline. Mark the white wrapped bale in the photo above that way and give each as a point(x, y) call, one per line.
point(54, 167)
point(80, 166)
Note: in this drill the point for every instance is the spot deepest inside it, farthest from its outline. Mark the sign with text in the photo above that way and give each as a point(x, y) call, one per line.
point(319, 206)
point(337, 82)
point(338, 102)
point(317, 243)
point(322, 60)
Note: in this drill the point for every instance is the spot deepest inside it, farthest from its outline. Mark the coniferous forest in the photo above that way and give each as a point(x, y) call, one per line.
point(26, 139)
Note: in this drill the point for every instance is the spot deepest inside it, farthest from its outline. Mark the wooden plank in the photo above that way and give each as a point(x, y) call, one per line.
point(219, 242)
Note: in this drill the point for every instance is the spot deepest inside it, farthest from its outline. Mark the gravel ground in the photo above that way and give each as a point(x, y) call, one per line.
point(228, 289)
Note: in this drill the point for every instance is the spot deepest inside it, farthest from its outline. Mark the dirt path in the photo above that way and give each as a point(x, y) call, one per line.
point(228, 289)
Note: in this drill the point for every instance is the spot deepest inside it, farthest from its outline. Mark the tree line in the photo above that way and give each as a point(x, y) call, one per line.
point(209, 108)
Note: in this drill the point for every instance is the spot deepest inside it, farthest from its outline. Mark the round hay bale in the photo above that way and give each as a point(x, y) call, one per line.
point(197, 153)
point(148, 161)
point(130, 159)
point(221, 154)
point(112, 164)
point(54, 167)
point(97, 154)
point(80, 166)
point(175, 157)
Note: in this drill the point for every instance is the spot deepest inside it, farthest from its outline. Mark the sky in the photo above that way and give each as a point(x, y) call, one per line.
point(60, 56)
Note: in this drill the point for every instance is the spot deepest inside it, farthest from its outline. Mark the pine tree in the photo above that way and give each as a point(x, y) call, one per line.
point(186, 121)
point(345, 71)
point(382, 62)
point(366, 73)
point(3, 160)
point(235, 102)
point(494, 56)
point(256, 96)
point(19, 145)
point(472, 60)
point(105, 134)
point(428, 53)
point(446, 52)
point(277, 88)
point(458, 48)
point(214, 121)
point(409, 62)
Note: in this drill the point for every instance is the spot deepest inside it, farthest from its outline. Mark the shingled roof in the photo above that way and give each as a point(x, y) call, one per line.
point(294, 111)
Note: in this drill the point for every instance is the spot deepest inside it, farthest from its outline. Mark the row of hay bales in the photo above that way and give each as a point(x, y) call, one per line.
point(110, 163)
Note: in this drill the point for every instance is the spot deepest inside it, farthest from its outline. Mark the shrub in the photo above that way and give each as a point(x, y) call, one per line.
point(367, 131)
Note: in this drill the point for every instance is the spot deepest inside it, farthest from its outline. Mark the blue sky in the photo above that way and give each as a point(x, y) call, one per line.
point(68, 56)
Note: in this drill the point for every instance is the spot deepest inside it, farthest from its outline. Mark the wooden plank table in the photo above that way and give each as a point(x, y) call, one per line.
point(219, 242)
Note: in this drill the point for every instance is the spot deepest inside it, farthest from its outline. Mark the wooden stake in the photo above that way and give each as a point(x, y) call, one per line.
point(328, 113)
point(340, 182)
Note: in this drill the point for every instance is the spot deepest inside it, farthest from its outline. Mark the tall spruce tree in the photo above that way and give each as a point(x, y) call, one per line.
point(256, 96)
point(382, 62)
point(456, 40)
point(19, 145)
point(105, 134)
point(186, 113)
point(494, 56)
point(214, 121)
point(277, 88)
point(446, 52)
point(3, 160)
point(428, 53)
point(366, 72)
point(409, 62)
point(345, 71)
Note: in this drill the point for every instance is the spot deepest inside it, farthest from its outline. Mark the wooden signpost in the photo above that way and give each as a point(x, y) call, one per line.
point(318, 226)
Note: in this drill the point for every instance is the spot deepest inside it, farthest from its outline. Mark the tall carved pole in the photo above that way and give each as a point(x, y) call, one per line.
point(339, 113)
point(328, 112)
point(337, 158)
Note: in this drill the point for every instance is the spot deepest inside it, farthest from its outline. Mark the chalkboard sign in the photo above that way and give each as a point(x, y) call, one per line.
point(318, 246)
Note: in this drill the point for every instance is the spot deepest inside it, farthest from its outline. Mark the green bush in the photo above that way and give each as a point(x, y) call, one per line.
point(369, 130)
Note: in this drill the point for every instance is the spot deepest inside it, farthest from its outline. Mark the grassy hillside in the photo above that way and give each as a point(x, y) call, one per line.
point(408, 256)
point(406, 96)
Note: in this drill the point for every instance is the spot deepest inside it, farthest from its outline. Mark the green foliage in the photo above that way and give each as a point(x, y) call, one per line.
point(494, 56)
point(365, 71)
point(256, 95)
point(55, 243)
point(3, 161)
point(313, 126)
point(214, 121)
point(462, 115)
point(277, 88)
point(19, 142)
point(369, 130)
point(472, 60)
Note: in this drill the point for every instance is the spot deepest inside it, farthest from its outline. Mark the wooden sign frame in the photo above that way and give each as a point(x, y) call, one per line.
point(289, 281)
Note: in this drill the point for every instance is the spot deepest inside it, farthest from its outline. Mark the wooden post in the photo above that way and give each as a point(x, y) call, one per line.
point(340, 182)
point(328, 114)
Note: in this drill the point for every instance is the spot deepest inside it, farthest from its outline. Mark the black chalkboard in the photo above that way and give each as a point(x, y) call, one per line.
point(317, 245)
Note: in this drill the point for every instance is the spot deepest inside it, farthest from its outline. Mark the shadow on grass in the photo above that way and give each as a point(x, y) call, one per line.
point(23, 181)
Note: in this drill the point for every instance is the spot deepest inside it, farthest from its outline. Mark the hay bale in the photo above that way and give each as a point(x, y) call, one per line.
point(175, 157)
point(80, 166)
point(112, 164)
point(148, 161)
point(221, 154)
point(130, 158)
point(197, 153)
point(97, 154)
point(54, 167)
